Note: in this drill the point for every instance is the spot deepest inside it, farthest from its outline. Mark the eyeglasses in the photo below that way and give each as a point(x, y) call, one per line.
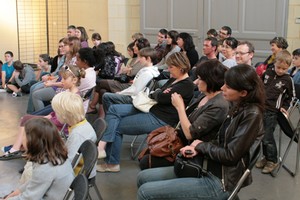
point(241, 53)
point(67, 68)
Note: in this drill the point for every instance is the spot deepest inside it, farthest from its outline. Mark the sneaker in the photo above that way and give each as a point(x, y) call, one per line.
point(14, 155)
point(6, 148)
point(101, 154)
point(105, 168)
point(14, 94)
point(269, 167)
point(19, 94)
point(261, 164)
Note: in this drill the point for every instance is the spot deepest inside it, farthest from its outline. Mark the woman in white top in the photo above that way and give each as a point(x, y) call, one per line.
point(228, 50)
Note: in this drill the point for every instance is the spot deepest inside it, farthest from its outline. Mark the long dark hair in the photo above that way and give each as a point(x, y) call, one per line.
point(243, 77)
point(173, 35)
point(44, 144)
point(188, 43)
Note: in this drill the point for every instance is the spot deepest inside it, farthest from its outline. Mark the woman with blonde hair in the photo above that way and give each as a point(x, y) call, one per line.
point(126, 119)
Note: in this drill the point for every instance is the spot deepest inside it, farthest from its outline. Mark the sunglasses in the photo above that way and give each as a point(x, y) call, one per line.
point(67, 68)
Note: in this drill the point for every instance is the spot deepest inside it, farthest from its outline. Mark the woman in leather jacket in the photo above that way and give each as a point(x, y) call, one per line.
point(228, 157)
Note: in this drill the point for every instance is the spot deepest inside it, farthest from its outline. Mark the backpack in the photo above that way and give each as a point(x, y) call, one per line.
point(108, 70)
point(119, 62)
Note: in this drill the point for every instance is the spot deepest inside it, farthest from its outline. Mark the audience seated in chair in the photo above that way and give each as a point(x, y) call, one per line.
point(113, 86)
point(277, 44)
point(44, 91)
point(125, 119)
point(70, 83)
point(204, 116)
point(148, 58)
point(228, 50)
point(228, 157)
point(51, 172)
point(295, 70)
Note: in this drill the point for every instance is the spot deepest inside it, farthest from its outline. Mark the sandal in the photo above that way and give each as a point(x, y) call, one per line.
point(92, 110)
point(14, 155)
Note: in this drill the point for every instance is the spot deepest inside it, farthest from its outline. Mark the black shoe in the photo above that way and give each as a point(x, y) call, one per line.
point(21, 170)
point(13, 155)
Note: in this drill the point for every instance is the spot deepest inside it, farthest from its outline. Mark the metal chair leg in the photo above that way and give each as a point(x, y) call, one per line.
point(136, 153)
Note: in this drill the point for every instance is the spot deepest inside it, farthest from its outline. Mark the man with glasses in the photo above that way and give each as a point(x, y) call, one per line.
point(244, 53)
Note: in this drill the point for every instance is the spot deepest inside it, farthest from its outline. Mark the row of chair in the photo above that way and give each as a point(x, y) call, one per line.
point(86, 157)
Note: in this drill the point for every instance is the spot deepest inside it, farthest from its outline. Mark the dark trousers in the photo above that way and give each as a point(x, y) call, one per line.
point(269, 143)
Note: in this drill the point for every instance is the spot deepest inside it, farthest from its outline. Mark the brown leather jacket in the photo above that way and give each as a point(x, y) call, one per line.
point(244, 130)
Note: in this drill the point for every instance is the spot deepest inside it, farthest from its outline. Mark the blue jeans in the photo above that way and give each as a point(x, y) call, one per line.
point(125, 119)
point(34, 87)
point(269, 143)
point(41, 95)
point(45, 111)
point(162, 183)
point(113, 98)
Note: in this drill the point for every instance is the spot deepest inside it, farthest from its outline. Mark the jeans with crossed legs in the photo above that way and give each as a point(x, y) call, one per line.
point(125, 119)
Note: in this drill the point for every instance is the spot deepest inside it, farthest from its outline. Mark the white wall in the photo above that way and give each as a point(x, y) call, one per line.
point(8, 24)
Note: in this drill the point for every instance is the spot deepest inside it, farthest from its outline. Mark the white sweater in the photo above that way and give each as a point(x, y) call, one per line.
point(141, 80)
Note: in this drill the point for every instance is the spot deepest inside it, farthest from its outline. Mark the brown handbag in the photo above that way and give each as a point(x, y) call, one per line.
point(163, 142)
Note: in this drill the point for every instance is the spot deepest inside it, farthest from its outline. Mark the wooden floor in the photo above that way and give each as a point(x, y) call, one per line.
point(122, 185)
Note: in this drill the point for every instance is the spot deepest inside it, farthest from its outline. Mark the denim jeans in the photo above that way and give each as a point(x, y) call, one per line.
point(269, 143)
point(125, 119)
point(113, 98)
point(45, 111)
point(33, 88)
point(41, 95)
point(162, 183)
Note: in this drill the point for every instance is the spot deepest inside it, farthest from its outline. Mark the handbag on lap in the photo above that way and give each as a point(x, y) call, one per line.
point(163, 142)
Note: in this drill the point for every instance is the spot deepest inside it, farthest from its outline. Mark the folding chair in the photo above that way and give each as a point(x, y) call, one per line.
point(99, 126)
point(253, 159)
point(135, 153)
point(79, 187)
point(85, 159)
point(287, 127)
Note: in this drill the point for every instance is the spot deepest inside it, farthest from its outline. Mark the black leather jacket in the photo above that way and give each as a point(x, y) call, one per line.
point(244, 129)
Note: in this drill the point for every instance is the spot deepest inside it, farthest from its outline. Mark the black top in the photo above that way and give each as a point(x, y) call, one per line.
point(164, 109)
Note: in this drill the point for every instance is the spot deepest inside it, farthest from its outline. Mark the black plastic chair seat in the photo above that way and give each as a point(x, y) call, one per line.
point(286, 126)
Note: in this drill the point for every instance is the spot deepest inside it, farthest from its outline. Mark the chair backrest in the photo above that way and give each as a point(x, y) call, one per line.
point(286, 126)
point(79, 187)
point(254, 155)
point(297, 90)
point(86, 156)
point(99, 126)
